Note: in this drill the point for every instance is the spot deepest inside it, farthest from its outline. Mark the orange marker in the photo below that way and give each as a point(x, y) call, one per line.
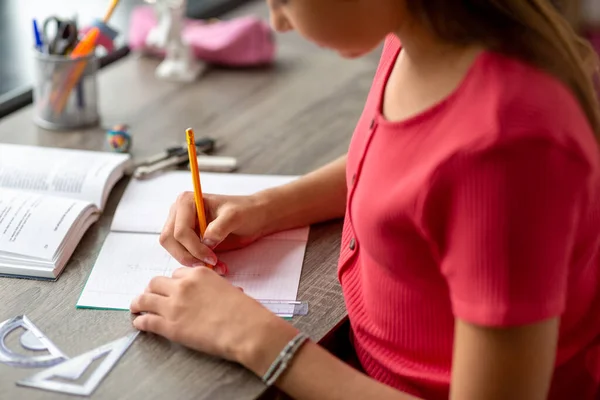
point(87, 44)
point(84, 48)
point(191, 142)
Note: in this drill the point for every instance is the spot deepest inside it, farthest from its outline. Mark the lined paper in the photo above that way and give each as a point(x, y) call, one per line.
point(268, 269)
point(144, 207)
point(131, 256)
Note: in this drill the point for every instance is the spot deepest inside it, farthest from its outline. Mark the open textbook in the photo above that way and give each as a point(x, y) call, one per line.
point(49, 197)
point(131, 256)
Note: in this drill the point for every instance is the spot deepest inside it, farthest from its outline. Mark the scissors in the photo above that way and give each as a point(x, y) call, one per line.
point(60, 35)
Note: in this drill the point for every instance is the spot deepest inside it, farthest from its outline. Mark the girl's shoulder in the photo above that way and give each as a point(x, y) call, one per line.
point(505, 101)
point(518, 100)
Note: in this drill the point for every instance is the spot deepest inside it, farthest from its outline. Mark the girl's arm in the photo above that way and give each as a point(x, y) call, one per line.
point(203, 311)
point(235, 221)
point(316, 197)
point(509, 363)
point(507, 216)
point(488, 364)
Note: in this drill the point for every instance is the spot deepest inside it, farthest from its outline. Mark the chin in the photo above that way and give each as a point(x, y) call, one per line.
point(352, 54)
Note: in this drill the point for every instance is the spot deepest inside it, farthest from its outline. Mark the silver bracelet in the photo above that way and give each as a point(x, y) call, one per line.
point(283, 359)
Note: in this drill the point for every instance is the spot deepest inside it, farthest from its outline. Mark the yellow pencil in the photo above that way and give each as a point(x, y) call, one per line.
point(191, 142)
point(111, 9)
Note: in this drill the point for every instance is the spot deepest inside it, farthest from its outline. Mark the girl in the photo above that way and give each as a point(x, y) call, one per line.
point(469, 259)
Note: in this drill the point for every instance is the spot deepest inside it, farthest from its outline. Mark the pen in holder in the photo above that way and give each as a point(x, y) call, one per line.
point(57, 107)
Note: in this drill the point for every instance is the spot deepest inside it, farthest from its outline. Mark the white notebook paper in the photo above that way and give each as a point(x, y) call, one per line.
point(145, 204)
point(131, 256)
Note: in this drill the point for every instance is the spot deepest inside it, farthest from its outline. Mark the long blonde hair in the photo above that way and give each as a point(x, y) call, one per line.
point(533, 31)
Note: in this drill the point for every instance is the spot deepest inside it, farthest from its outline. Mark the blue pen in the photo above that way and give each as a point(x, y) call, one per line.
point(39, 44)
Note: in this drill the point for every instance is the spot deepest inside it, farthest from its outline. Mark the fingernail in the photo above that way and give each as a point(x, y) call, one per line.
point(198, 265)
point(210, 243)
point(133, 302)
point(221, 268)
point(211, 260)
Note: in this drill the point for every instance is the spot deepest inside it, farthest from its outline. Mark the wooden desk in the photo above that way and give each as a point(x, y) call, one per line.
point(288, 119)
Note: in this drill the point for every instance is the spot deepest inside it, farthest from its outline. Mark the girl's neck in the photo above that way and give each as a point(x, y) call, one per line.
point(424, 50)
point(426, 71)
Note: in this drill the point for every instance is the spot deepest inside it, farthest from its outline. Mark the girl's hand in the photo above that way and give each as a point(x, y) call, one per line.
point(233, 222)
point(201, 310)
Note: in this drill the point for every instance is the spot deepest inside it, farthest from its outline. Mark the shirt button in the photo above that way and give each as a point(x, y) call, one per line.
point(353, 179)
point(352, 245)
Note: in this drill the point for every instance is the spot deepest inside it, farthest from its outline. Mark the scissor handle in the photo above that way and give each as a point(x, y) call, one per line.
point(57, 26)
point(64, 38)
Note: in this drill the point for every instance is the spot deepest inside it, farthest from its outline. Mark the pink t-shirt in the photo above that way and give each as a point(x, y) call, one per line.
point(485, 207)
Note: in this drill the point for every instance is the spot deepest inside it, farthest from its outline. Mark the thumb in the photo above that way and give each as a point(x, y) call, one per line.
point(219, 229)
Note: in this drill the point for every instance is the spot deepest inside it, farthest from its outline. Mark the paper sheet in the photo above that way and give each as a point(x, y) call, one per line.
point(131, 256)
point(267, 270)
point(34, 225)
point(145, 204)
point(74, 174)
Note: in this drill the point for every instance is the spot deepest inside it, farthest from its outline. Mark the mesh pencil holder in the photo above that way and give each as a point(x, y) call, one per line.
point(65, 92)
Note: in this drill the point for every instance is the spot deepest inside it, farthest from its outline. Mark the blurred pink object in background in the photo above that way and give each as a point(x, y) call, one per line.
point(244, 41)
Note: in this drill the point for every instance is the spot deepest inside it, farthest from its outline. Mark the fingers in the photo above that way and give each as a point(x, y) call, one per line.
point(221, 268)
point(167, 240)
point(181, 254)
point(152, 323)
point(220, 228)
point(149, 303)
point(161, 285)
point(179, 237)
point(181, 273)
point(184, 231)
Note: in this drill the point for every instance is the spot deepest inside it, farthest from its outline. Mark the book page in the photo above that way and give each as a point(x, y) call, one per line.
point(34, 225)
point(267, 270)
point(145, 204)
point(68, 173)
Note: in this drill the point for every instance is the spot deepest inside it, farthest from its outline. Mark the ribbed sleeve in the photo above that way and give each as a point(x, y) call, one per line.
point(505, 221)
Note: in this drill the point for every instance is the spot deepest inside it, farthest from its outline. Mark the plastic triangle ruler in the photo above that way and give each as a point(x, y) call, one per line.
point(31, 339)
point(74, 368)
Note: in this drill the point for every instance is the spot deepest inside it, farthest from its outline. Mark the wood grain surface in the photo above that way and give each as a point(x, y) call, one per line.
point(286, 119)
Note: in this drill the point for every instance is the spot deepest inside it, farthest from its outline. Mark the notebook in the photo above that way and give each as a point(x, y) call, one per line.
point(49, 197)
point(131, 256)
